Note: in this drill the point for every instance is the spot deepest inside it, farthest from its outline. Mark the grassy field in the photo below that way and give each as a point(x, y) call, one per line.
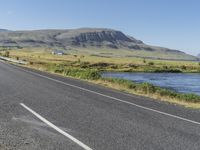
point(132, 53)
point(104, 62)
point(88, 67)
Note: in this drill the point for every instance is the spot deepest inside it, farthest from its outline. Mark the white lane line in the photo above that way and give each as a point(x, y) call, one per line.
point(56, 128)
point(113, 98)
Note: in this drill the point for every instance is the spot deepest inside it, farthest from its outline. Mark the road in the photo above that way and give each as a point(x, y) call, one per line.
point(40, 111)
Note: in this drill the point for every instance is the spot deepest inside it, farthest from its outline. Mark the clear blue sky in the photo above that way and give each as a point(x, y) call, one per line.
point(169, 23)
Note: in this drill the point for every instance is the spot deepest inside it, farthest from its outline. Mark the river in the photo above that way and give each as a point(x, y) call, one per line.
point(180, 82)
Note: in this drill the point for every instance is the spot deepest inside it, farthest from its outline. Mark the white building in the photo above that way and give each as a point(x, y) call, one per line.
point(57, 52)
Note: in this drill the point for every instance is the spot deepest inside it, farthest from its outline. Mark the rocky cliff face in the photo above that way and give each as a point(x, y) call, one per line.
point(96, 37)
point(109, 36)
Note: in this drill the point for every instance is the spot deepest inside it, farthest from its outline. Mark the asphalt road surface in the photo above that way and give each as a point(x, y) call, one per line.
point(39, 111)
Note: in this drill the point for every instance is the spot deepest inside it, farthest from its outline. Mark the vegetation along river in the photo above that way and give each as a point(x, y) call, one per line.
point(180, 82)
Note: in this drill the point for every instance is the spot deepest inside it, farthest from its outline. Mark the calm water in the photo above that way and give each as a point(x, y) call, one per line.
point(180, 82)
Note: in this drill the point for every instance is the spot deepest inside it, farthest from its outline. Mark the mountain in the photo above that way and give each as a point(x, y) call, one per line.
point(198, 55)
point(3, 30)
point(94, 39)
point(69, 38)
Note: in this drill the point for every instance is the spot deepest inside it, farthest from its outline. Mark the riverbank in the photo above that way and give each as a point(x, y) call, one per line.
point(89, 68)
point(179, 82)
point(143, 89)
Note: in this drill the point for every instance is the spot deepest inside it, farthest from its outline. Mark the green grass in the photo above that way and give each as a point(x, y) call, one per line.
point(83, 59)
point(150, 89)
point(89, 74)
point(106, 52)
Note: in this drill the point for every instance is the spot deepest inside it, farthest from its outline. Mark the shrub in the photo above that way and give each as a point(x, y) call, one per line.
point(7, 54)
point(82, 73)
point(133, 66)
point(151, 63)
point(183, 67)
point(114, 66)
point(84, 64)
point(100, 64)
point(165, 67)
point(189, 97)
point(147, 88)
point(167, 71)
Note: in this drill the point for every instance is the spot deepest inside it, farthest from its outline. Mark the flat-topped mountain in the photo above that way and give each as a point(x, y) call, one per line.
point(69, 38)
point(83, 38)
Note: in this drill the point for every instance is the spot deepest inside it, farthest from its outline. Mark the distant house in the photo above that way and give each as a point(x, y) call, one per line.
point(57, 52)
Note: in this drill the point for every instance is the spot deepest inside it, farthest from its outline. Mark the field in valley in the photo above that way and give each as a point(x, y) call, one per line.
point(104, 61)
point(84, 65)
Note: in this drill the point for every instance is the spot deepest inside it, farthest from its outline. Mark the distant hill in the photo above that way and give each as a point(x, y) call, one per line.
point(88, 38)
point(3, 30)
point(198, 56)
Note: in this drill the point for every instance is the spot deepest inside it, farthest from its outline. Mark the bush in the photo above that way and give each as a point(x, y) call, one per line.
point(146, 88)
point(82, 73)
point(133, 66)
point(189, 97)
point(84, 65)
point(100, 65)
point(114, 67)
point(183, 67)
point(151, 63)
point(7, 54)
point(167, 71)
point(165, 67)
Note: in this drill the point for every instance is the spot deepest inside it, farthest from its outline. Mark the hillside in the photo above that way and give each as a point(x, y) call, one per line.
point(93, 40)
point(3, 30)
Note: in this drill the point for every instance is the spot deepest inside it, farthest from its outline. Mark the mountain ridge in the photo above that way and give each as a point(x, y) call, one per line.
point(3, 30)
point(79, 38)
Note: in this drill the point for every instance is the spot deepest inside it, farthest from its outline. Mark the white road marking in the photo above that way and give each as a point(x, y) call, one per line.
point(113, 98)
point(56, 128)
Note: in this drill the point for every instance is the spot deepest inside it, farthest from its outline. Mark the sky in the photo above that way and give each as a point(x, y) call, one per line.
point(168, 23)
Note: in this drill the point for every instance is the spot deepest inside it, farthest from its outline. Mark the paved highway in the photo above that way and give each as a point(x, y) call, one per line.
point(39, 111)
